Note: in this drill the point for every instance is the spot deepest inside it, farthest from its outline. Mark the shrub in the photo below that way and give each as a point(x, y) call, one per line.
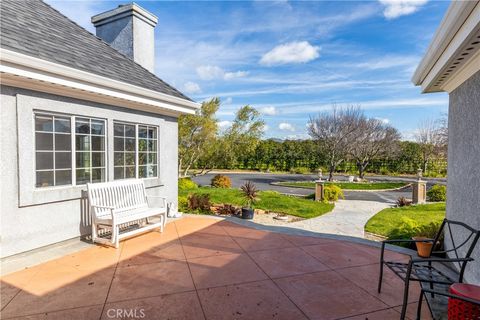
point(300, 170)
point(403, 202)
point(186, 184)
point(182, 203)
point(332, 193)
point(410, 228)
point(437, 193)
point(198, 201)
point(221, 181)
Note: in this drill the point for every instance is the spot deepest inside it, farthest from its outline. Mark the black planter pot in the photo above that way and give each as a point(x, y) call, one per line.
point(247, 213)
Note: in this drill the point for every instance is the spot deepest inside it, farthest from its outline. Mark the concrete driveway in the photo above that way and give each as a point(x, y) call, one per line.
point(264, 181)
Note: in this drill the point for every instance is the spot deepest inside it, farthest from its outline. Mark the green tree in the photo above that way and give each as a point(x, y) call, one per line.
point(195, 133)
point(242, 138)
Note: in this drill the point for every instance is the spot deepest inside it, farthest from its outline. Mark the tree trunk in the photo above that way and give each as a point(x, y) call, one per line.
point(361, 166)
point(330, 173)
point(180, 167)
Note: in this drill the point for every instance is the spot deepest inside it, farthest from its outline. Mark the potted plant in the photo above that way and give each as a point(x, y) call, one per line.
point(249, 192)
point(426, 236)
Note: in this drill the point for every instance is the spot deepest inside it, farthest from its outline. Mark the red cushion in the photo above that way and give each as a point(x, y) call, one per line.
point(466, 290)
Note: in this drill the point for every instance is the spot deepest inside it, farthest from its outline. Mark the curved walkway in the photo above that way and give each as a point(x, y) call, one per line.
point(348, 218)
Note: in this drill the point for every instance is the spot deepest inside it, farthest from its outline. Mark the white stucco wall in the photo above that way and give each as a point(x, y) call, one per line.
point(32, 218)
point(463, 188)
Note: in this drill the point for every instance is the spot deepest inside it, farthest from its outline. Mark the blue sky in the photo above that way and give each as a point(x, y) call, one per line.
point(292, 59)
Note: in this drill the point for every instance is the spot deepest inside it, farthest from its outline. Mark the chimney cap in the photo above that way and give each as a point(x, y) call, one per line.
point(122, 11)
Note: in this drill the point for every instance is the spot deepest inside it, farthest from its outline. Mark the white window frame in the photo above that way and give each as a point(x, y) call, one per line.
point(73, 149)
point(137, 164)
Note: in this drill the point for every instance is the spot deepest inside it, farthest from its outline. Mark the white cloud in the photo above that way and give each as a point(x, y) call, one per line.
point(266, 128)
point(384, 120)
point(269, 111)
point(224, 124)
point(236, 74)
point(299, 136)
point(191, 87)
point(292, 52)
point(215, 72)
point(388, 62)
point(397, 8)
point(286, 126)
point(210, 72)
point(229, 100)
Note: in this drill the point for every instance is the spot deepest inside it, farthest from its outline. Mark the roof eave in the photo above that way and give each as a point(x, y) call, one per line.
point(445, 42)
point(32, 68)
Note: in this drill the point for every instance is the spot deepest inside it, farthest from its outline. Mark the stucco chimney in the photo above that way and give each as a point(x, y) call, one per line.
point(129, 29)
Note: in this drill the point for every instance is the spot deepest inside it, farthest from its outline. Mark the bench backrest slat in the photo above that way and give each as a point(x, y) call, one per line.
point(123, 194)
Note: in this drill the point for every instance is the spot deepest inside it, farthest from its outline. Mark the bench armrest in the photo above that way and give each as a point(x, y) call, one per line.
point(103, 207)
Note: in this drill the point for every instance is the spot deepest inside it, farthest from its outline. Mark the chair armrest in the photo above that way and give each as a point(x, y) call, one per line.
point(406, 240)
point(454, 296)
point(441, 260)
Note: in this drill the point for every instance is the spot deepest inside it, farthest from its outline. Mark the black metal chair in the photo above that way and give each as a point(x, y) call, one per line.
point(433, 270)
point(441, 308)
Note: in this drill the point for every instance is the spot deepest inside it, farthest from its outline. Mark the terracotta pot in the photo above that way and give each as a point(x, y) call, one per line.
point(423, 248)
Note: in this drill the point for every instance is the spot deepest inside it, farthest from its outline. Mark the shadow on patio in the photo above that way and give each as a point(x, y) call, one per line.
point(206, 268)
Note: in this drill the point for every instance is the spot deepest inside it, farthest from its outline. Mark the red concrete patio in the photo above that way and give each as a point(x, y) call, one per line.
point(203, 268)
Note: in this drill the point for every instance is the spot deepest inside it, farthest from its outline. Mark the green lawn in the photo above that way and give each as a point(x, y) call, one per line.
point(348, 185)
point(388, 221)
point(268, 200)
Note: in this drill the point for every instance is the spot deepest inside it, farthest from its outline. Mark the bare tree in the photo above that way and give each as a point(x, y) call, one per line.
point(335, 132)
point(373, 138)
point(429, 139)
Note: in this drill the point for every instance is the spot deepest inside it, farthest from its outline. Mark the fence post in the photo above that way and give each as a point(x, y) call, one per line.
point(319, 187)
point(419, 187)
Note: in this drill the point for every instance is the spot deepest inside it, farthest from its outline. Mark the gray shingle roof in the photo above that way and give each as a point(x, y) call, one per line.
point(34, 28)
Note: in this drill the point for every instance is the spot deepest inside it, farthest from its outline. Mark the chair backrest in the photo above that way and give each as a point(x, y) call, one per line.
point(121, 194)
point(461, 248)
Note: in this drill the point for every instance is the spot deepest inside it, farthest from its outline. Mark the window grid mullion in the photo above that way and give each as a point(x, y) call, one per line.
point(137, 164)
point(74, 149)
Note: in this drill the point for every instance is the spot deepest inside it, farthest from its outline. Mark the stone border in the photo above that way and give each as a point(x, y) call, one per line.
point(306, 233)
point(278, 183)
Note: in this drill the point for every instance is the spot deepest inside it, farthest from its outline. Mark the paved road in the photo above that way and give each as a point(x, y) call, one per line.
point(263, 182)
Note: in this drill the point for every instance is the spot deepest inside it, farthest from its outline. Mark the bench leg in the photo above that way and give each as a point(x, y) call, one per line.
point(94, 232)
point(115, 235)
point(162, 222)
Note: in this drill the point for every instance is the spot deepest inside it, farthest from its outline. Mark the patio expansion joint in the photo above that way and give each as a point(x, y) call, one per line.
point(190, 272)
point(271, 279)
point(342, 276)
point(111, 282)
point(51, 311)
point(18, 291)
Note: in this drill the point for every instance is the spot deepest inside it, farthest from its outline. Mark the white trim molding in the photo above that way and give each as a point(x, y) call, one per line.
point(20, 70)
point(453, 54)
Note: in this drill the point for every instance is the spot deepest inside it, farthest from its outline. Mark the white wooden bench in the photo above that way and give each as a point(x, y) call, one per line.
point(122, 203)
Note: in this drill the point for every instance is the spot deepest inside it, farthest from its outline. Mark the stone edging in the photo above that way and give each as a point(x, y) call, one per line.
point(277, 183)
point(306, 233)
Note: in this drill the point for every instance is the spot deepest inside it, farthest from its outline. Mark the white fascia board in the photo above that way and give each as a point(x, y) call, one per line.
point(461, 18)
point(21, 65)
